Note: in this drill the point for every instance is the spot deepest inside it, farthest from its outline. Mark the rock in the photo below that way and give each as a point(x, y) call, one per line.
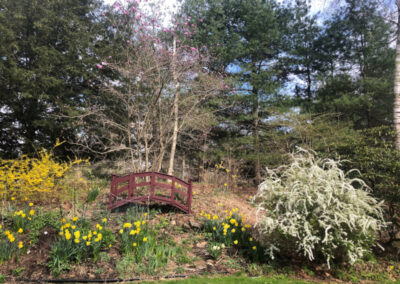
point(210, 265)
point(194, 225)
point(201, 244)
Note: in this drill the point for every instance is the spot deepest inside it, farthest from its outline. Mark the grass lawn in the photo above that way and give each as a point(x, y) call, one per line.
point(238, 279)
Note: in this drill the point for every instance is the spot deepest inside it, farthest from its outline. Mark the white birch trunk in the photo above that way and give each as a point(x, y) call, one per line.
point(176, 110)
point(396, 109)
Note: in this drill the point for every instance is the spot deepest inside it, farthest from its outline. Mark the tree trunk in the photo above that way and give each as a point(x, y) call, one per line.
point(176, 110)
point(256, 143)
point(396, 109)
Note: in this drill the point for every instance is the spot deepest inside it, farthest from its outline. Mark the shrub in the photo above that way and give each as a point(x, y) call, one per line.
point(28, 175)
point(313, 207)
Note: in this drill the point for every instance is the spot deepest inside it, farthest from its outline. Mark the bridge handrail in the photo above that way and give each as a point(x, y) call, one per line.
point(130, 178)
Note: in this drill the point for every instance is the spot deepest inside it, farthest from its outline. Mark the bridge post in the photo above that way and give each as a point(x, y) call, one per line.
point(152, 184)
point(173, 180)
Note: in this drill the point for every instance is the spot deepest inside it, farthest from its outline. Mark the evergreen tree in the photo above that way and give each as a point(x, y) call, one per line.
point(247, 38)
point(47, 60)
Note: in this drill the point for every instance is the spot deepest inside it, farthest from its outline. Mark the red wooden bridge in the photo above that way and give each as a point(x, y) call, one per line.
point(150, 186)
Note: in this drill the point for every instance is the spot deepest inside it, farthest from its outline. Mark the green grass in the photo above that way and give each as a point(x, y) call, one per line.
point(279, 279)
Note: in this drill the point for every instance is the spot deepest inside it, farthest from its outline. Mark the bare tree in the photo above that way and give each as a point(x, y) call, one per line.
point(159, 94)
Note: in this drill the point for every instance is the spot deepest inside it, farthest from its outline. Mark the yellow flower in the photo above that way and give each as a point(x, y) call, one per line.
point(127, 225)
point(121, 231)
point(254, 248)
point(87, 243)
point(7, 232)
point(23, 215)
point(251, 239)
point(20, 245)
point(20, 231)
point(391, 267)
point(1, 226)
point(144, 239)
point(194, 193)
point(63, 220)
point(76, 241)
point(132, 232)
point(73, 227)
point(95, 233)
point(219, 204)
point(250, 197)
point(227, 170)
point(29, 218)
point(233, 230)
point(61, 233)
point(243, 229)
point(137, 224)
point(235, 242)
point(99, 236)
point(134, 244)
point(77, 234)
point(143, 222)
point(109, 245)
point(26, 198)
point(67, 235)
point(30, 204)
point(214, 228)
point(225, 184)
point(104, 220)
point(75, 219)
point(96, 240)
point(145, 214)
point(13, 198)
point(84, 238)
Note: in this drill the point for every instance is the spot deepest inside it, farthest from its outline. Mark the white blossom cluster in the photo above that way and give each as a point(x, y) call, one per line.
point(313, 203)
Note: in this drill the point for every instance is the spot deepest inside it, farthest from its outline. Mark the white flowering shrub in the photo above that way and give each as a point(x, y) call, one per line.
point(317, 210)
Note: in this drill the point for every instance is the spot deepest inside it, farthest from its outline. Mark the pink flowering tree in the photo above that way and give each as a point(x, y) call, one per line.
point(155, 88)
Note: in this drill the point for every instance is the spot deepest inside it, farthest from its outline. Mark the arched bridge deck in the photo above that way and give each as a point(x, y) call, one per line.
point(150, 186)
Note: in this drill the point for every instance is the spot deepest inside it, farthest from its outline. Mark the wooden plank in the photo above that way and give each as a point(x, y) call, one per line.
point(131, 185)
point(122, 179)
point(125, 188)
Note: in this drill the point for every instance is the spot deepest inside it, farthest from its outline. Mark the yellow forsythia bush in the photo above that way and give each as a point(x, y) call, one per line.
point(30, 175)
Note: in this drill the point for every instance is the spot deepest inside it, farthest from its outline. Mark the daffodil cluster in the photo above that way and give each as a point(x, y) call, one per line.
point(133, 236)
point(9, 244)
point(230, 230)
point(83, 241)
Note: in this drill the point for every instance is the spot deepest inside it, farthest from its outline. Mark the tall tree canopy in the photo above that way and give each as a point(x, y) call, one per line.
point(46, 61)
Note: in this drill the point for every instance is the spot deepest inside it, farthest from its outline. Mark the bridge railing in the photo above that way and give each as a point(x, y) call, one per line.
point(150, 186)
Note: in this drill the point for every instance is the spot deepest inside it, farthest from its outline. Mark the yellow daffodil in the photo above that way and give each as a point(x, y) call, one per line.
point(235, 242)
point(20, 231)
point(75, 219)
point(134, 244)
point(20, 245)
point(127, 225)
point(104, 220)
point(254, 248)
point(144, 239)
point(76, 241)
point(30, 204)
point(121, 231)
point(87, 243)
